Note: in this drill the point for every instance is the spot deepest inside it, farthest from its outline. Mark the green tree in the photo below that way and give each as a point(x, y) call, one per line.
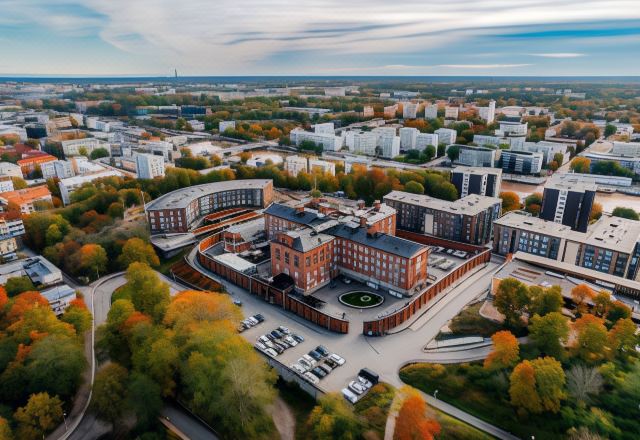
point(5, 430)
point(78, 316)
point(148, 293)
point(39, 416)
point(144, 399)
point(623, 212)
point(512, 299)
point(609, 130)
point(110, 393)
point(544, 301)
point(53, 235)
point(333, 418)
point(115, 210)
point(136, 250)
point(18, 183)
point(430, 152)
point(453, 153)
point(550, 381)
point(549, 333)
point(592, 338)
point(414, 187)
point(17, 285)
point(533, 203)
point(98, 153)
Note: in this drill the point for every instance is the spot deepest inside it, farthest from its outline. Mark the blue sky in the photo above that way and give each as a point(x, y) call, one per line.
point(313, 37)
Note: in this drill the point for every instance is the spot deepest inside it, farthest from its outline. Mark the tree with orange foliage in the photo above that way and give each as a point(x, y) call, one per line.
point(4, 299)
point(580, 295)
point(92, 258)
point(522, 390)
point(591, 340)
point(23, 302)
point(622, 338)
point(510, 201)
point(505, 353)
point(580, 164)
point(193, 306)
point(596, 211)
point(78, 315)
point(413, 422)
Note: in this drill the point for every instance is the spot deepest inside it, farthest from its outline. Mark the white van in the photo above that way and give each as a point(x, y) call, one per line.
point(349, 395)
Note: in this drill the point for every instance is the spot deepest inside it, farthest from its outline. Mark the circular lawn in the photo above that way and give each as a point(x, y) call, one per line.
point(361, 300)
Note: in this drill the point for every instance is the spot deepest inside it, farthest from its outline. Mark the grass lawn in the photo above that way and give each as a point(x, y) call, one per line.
point(454, 429)
point(469, 322)
point(374, 409)
point(361, 299)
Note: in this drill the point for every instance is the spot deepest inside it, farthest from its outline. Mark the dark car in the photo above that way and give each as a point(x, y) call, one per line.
point(314, 354)
point(297, 338)
point(322, 350)
point(281, 344)
point(259, 317)
point(319, 372)
point(330, 362)
point(276, 334)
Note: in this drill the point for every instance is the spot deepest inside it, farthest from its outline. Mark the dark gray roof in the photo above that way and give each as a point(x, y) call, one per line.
point(383, 242)
point(289, 213)
point(305, 240)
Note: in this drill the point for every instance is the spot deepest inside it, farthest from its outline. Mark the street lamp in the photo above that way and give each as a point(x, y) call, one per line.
point(64, 417)
point(435, 394)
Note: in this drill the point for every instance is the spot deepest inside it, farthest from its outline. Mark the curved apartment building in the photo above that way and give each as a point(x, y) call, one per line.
point(183, 209)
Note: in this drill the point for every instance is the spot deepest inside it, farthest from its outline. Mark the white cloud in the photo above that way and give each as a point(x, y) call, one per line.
point(483, 66)
point(558, 55)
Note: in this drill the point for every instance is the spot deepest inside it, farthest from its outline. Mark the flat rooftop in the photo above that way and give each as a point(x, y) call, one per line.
point(181, 198)
point(383, 242)
point(570, 182)
point(472, 204)
point(477, 170)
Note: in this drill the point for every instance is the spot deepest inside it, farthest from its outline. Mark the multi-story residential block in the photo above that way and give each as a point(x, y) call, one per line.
point(362, 142)
point(446, 136)
point(29, 164)
point(79, 147)
point(629, 162)
point(390, 111)
point(158, 148)
point(329, 141)
point(69, 185)
point(410, 110)
point(423, 140)
point(61, 169)
point(431, 111)
point(388, 142)
point(468, 220)
point(294, 165)
point(8, 169)
point(484, 140)
point(324, 128)
point(568, 201)
point(451, 112)
point(521, 162)
point(475, 180)
point(149, 166)
point(408, 138)
point(8, 248)
point(475, 156)
point(611, 245)
point(27, 199)
point(6, 185)
point(548, 149)
point(183, 209)
point(488, 113)
point(322, 166)
point(226, 125)
point(508, 128)
point(368, 111)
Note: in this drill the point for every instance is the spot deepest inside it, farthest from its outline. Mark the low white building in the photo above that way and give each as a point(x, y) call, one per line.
point(295, 164)
point(451, 112)
point(59, 297)
point(329, 141)
point(225, 125)
point(61, 169)
point(196, 125)
point(77, 147)
point(6, 184)
point(69, 185)
point(39, 270)
point(323, 166)
point(149, 166)
point(446, 136)
point(488, 113)
point(8, 169)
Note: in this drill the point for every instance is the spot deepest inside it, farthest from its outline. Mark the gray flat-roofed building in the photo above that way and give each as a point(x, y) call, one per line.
point(477, 180)
point(472, 156)
point(468, 220)
point(568, 201)
point(521, 162)
point(611, 245)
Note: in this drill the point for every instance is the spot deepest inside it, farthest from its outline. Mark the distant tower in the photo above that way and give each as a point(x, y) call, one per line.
point(176, 73)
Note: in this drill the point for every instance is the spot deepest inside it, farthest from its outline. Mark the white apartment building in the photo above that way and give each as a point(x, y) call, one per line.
point(335, 91)
point(12, 130)
point(329, 141)
point(317, 165)
point(451, 112)
point(8, 169)
point(149, 166)
point(296, 164)
point(631, 149)
point(425, 139)
point(390, 111)
point(410, 110)
point(6, 185)
point(157, 148)
point(488, 113)
point(196, 125)
point(408, 138)
point(69, 185)
point(57, 168)
point(512, 129)
point(365, 143)
point(548, 150)
point(446, 135)
point(72, 147)
point(431, 111)
point(324, 128)
point(224, 125)
point(388, 142)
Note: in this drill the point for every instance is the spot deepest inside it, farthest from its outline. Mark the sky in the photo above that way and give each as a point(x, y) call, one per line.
point(319, 37)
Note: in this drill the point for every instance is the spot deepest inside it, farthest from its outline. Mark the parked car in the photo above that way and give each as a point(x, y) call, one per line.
point(276, 334)
point(311, 378)
point(306, 364)
point(247, 323)
point(260, 346)
point(322, 350)
point(330, 362)
point(263, 339)
point(315, 355)
point(237, 302)
point(298, 338)
point(364, 382)
point(356, 387)
point(277, 348)
point(298, 368)
point(281, 344)
point(289, 340)
point(327, 369)
point(258, 317)
point(319, 372)
point(284, 330)
point(309, 359)
point(371, 376)
point(271, 352)
point(349, 395)
point(253, 320)
point(337, 359)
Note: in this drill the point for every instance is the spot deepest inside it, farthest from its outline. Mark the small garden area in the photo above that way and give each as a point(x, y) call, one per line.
point(361, 300)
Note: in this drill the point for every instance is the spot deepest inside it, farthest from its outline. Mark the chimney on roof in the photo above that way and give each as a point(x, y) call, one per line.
point(376, 205)
point(300, 209)
point(360, 204)
point(363, 222)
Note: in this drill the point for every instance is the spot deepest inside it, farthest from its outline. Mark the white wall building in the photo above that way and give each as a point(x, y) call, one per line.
point(408, 138)
point(388, 142)
point(451, 112)
point(72, 147)
point(425, 139)
point(8, 169)
point(6, 185)
point(149, 166)
point(57, 168)
point(224, 125)
point(431, 111)
point(196, 125)
point(512, 129)
point(329, 141)
point(488, 113)
point(324, 128)
point(446, 135)
point(390, 111)
point(157, 148)
point(323, 166)
point(295, 164)
point(626, 149)
point(410, 110)
point(365, 143)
